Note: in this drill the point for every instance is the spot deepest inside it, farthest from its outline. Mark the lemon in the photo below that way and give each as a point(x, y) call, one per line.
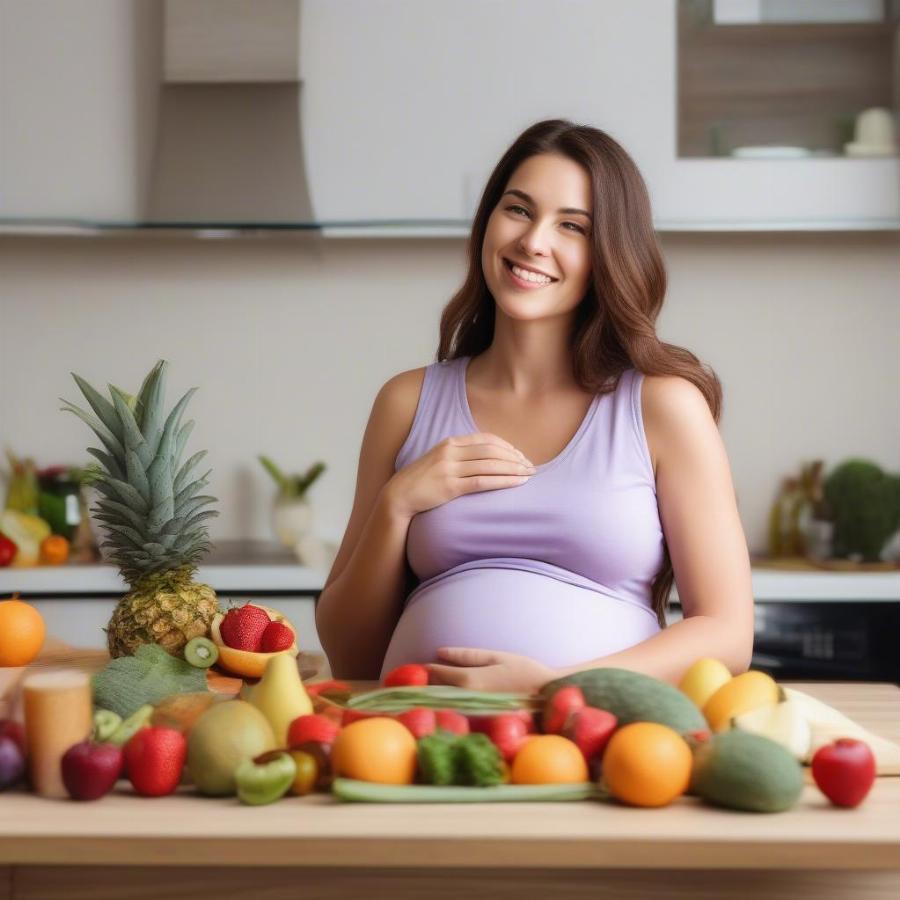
point(703, 679)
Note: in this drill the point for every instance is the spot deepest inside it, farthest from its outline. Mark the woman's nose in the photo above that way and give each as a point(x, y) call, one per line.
point(535, 240)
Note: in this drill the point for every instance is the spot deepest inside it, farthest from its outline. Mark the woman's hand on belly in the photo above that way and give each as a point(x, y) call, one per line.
point(489, 670)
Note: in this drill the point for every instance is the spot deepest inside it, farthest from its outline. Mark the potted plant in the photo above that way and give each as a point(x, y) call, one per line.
point(292, 512)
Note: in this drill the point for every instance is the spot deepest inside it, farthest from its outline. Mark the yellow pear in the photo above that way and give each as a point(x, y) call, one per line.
point(742, 693)
point(279, 695)
point(703, 679)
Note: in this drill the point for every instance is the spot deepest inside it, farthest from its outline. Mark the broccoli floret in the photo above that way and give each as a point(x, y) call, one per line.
point(865, 502)
point(480, 762)
point(437, 758)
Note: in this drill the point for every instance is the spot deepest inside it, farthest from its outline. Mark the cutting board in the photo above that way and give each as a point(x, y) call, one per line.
point(58, 654)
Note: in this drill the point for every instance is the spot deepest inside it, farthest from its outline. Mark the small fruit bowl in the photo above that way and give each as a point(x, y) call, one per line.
point(246, 663)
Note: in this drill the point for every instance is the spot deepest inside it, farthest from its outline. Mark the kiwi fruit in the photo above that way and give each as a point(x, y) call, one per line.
point(201, 652)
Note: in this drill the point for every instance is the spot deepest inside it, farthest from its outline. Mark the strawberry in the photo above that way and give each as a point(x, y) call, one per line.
point(312, 727)
point(591, 730)
point(277, 636)
point(451, 720)
point(507, 732)
point(155, 758)
point(354, 715)
point(243, 628)
point(420, 721)
point(560, 706)
point(408, 675)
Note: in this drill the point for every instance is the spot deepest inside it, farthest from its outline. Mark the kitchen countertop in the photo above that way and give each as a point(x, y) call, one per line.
point(266, 566)
point(547, 850)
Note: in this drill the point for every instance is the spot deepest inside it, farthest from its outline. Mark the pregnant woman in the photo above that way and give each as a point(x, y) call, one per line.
point(543, 482)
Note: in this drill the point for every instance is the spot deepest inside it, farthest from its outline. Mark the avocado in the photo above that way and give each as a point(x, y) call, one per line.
point(633, 697)
point(739, 770)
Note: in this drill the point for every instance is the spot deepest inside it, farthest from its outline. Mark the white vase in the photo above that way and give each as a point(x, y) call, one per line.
point(292, 520)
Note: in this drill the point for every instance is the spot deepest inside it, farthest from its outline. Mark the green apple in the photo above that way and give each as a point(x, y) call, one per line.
point(265, 778)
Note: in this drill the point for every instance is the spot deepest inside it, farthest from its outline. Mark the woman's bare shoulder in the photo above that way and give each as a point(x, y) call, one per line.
point(670, 404)
point(395, 405)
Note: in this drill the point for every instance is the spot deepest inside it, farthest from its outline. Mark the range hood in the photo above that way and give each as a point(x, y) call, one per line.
point(228, 145)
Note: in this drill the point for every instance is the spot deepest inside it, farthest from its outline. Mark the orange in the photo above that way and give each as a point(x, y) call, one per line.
point(22, 633)
point(549, 759)
point(646, 764)
point(375, 749)
point(54, 550)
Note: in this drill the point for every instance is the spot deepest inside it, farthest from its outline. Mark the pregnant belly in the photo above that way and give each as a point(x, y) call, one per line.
point(534, 613)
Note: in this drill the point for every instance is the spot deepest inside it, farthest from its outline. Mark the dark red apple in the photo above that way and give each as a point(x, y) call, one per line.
point(12, 762)
point(90, 770)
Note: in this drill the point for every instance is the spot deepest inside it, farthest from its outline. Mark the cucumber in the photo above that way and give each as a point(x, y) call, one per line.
point(351, 790)
point(633, 697)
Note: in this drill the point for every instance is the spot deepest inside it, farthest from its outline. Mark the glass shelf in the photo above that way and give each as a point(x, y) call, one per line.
point(387, 228)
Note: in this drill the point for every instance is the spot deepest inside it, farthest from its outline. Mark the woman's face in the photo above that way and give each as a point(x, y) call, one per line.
point(537, 225)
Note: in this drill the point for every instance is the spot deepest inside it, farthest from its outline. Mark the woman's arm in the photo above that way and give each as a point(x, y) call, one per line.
point(707, 546)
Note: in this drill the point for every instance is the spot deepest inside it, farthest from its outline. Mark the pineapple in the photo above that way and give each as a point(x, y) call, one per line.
point(152, 512)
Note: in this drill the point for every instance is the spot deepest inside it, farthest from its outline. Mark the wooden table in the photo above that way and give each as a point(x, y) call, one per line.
point(184, 845)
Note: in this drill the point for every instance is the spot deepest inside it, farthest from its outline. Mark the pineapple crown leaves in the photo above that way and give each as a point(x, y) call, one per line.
point(292, 485)
point(152, 512)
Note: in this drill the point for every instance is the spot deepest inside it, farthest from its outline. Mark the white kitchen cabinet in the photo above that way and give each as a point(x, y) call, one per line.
point(406, 107)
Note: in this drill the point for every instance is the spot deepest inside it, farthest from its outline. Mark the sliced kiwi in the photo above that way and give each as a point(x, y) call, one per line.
point(201, 652)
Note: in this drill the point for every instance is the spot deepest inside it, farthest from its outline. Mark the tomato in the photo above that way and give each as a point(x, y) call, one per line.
point(409, 675)
point(844, 771)
point(8, 550)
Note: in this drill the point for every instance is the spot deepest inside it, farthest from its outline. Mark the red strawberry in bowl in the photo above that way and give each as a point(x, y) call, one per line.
point(243, 628)
point(276, 637)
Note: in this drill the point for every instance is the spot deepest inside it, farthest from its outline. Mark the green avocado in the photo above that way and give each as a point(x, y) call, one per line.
point(739, 770)
point(633, 697)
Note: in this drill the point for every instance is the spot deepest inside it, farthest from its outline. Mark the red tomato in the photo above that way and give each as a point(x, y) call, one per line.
point(844, 771)
point(409, 675)
point(8, 551)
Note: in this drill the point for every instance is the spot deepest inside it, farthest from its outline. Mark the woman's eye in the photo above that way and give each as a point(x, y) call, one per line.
point(516, 207)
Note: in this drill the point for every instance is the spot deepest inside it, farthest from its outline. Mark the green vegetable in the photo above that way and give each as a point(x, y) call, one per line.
point(468, 759)
point(480, 762)
point(437, 759)
point(106, 723)
point(438, 696)
point(865, 507)
point(351, 790)
point(130, 682)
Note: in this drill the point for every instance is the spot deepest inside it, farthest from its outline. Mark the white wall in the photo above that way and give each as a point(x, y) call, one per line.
point(289, 342)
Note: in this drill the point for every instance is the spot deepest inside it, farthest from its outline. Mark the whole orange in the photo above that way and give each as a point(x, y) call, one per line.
point(22, 633)
point(375, 749)
point(54, 550)
point(646, 764)
point(549, 759)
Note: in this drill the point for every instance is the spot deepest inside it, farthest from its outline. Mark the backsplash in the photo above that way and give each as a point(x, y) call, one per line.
point(289, 341)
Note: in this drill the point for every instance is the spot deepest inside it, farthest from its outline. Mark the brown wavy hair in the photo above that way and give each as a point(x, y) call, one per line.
point(614, 325)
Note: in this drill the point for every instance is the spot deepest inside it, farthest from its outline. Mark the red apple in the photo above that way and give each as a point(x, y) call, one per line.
point(844, 771)
point(90, 770)
point(508, 732)
point(590, 729)
point(560, 706)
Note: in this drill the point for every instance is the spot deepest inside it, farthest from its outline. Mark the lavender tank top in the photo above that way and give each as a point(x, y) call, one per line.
point(559, 568)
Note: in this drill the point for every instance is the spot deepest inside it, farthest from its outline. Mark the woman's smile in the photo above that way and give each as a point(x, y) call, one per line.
point(525, 280)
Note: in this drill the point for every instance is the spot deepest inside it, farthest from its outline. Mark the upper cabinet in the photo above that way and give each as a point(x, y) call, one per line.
point(397, 111)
